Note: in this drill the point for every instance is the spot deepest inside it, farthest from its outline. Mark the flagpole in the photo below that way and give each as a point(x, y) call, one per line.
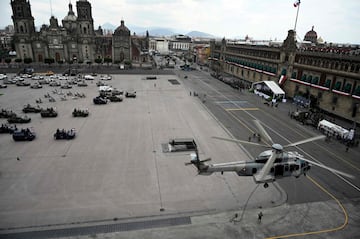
point(297, 13)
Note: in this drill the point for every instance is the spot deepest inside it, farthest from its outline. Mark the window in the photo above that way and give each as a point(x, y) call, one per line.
point(347, 87)
point(303, 78)
point(337, 85)
point(309, 79)
point(327, 83)
point(315, 80)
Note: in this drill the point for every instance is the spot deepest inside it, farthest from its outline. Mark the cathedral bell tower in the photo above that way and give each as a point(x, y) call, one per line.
point(84, 18)
point(24, 28)
point(85, 31)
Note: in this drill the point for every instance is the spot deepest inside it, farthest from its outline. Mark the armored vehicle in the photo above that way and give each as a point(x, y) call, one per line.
point(130, 93)
point(64, 134)
point(98, 100)
point(19, 119)
point(24, 135)
point(31, 109)
point(6, 113)
point(48, 112)
point(114, 98)
point(80, 113)
point(7, 129)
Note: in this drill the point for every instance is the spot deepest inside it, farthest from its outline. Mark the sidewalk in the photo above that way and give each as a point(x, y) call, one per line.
point(320, 219)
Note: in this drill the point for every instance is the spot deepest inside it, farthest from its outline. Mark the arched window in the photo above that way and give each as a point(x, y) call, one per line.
point(21, 29)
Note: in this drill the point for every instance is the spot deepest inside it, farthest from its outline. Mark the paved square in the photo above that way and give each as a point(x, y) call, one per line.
point(115, 167)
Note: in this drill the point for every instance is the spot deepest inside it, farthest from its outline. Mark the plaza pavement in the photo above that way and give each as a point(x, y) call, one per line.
point(115, 167)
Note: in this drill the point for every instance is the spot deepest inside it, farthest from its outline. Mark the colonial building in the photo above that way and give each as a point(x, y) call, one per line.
point(74, 40)
point(121, 44)
point(327, 74)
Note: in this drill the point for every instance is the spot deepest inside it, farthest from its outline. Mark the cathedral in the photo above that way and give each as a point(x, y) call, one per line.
point(73, 41)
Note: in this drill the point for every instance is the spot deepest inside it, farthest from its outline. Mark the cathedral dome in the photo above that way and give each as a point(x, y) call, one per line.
point(311, 36)
point(71, 15)
point(122, 29)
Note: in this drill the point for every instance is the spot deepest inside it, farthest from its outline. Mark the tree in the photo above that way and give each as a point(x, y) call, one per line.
point(49, 60)
point(107, 60)
point(98, 60)
point(27, 60)
point(18, 60)
point(128, 63)
point(8, 60)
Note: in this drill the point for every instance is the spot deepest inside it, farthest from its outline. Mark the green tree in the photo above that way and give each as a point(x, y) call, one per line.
point(49, 60)
point(18, 60)
point(8, 60)
point(107, 60)
point(98, 60)
point(27, 60)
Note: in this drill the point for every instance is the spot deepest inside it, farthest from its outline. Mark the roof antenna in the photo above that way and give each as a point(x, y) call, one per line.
point(51, 8)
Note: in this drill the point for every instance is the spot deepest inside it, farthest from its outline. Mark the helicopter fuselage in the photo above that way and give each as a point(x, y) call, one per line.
point(285, 165)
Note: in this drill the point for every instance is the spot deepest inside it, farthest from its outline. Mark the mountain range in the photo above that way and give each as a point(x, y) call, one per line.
point(158, 31)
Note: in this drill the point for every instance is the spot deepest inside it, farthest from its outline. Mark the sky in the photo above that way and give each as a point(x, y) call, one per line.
point(334, 21)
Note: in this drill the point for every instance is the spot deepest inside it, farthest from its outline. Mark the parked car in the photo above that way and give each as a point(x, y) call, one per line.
point(82, 84)
point(3, 86)
point(89, 77)
point(36, 86)
point(22, 83)
point(107, 77)
point(54, 83)
point(66, 86)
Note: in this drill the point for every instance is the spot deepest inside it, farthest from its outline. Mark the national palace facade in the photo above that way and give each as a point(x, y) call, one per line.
point(327, 74)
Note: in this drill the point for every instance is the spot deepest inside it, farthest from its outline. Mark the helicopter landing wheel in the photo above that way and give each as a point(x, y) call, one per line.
point(266, 185)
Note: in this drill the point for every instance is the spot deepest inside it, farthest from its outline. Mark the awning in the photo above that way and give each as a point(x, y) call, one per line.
point(275, 88)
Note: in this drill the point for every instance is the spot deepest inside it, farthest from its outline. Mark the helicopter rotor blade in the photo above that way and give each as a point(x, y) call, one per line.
point(264, 135)
point(305, 141)
point(239, 141)
point(264, 172)
point(328, 168)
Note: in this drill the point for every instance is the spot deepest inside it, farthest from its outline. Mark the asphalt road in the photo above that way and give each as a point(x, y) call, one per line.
point(236, 111)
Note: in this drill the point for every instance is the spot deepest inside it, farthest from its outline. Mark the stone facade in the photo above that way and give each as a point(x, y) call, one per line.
point(121, 44)
point(74, 41)
point(328, 75)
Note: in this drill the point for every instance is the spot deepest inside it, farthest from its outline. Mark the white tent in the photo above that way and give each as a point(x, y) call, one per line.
point(267, 87)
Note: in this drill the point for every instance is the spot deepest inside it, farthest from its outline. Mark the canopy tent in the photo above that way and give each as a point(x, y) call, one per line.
point(269, 88)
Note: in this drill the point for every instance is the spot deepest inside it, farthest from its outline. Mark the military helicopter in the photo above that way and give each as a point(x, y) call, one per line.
point(268, 166)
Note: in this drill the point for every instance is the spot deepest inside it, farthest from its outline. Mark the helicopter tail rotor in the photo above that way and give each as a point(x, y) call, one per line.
point(199, 164)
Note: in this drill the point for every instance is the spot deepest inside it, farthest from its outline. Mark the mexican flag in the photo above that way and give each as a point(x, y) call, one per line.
point(296, 3)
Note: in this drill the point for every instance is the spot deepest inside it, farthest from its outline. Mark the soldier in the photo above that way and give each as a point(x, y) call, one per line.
point(260, 215)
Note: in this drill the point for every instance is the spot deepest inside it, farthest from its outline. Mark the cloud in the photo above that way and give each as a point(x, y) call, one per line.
point(335, 20)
